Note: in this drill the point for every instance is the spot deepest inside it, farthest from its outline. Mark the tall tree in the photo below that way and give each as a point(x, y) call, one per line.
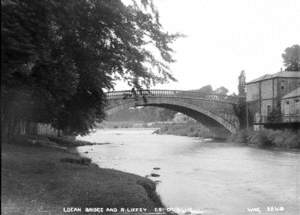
point(63, 55)
point(291, 58)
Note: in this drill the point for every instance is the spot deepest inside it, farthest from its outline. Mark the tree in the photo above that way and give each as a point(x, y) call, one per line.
point(61, 56)
point(146, 114)
point(166, 114)
point(206, 89)
point(221, 91)
point(291, 58)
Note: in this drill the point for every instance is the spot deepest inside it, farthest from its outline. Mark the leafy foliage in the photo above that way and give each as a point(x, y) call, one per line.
point(268, 138)
point(207, 89)
point(275, 115)
point(291, 58)
point(60, 57)
point(221, 91)
point(146, 114)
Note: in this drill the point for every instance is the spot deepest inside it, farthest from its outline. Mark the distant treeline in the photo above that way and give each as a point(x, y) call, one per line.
point(145, 114)
point(191, 129)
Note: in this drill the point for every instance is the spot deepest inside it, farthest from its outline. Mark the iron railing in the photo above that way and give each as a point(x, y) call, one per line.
point(287, 118)
point(126, 94)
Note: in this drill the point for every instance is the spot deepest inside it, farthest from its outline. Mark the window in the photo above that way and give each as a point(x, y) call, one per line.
point(282, 85)
point(287, 102)
point(268, 110)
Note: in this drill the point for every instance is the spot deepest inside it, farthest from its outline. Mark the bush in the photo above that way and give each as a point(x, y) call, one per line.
point(268, 138)
point(261, 138)
point(277, 138)
point(242, 136)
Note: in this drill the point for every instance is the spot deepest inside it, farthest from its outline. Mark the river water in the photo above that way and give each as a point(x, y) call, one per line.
point(201, 176)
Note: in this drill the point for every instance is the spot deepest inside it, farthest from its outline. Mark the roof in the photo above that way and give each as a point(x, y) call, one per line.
point(283, 74)
point(294, 93)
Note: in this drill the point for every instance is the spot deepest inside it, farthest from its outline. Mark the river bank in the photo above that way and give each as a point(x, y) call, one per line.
point(266, 138)
point(189, 129)
point(37, 178)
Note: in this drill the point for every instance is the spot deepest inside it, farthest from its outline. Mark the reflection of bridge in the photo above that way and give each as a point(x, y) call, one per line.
point(212, 110)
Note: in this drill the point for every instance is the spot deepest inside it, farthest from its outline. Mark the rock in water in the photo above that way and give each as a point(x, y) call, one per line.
point(155, 175)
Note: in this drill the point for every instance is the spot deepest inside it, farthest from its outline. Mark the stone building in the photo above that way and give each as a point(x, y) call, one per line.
point(264, 96)
point(290, 106)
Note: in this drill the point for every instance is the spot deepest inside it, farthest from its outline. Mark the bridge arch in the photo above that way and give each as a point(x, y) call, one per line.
point(195, 111)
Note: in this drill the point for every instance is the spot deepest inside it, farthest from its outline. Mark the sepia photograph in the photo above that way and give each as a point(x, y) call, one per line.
point(150, 107)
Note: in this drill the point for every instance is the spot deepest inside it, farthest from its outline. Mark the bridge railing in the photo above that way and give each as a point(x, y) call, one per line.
point(171, 93)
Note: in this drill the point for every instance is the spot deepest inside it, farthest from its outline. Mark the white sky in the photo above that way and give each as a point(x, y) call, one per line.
point(225, 37)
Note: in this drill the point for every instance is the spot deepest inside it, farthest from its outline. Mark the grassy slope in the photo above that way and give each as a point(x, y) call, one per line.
point(34, 178)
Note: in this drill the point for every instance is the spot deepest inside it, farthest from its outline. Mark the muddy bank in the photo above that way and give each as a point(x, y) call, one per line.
point(35, 178)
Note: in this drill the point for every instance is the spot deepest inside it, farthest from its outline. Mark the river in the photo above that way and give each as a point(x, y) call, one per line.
point(204, 177)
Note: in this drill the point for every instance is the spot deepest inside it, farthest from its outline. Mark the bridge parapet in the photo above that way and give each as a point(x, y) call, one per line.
point(174, 94)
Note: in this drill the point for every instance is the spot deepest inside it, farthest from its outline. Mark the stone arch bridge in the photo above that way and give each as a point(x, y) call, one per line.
point(212, 110)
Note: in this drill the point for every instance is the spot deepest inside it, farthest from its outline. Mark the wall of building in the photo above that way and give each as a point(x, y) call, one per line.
point(286, 85)
point(252, 92)
point(267, 89)
point(253, 110)
point(265, 96)
point(291, 109)
point(290, 106)
point(266, 107)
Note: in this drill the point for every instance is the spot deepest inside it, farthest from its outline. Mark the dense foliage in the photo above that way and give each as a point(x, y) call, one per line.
point(207, 89)
point(146, 114)
point(59, 57)
point(192, 129)
point(268, 138)
point(291, 58)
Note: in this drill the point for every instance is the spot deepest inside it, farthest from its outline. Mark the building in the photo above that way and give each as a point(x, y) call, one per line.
point(290, 106)
point(265, 95)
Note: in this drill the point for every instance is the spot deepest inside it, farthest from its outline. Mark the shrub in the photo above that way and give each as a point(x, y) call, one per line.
point(268, 137)
point(261, 138)
point(241, 136)
point(277, 138)
point(292, 140)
